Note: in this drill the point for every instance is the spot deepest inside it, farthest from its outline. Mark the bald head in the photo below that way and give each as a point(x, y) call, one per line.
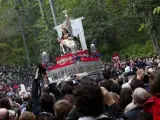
point(140, 96)
point(4, 114)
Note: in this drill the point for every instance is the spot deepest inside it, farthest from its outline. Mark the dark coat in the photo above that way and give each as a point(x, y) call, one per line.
point(36, 106)
point(112, 112)
point(133, 114)
point(34, 102)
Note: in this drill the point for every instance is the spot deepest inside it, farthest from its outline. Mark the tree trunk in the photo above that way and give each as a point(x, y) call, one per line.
point(22, 33)
point(153, 40)
point(44, 17)
point(152, 32)
point(156, 41)
point(101, 8)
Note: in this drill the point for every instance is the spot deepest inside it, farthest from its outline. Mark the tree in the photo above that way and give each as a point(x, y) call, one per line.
point(113, 25)
point(145, 9)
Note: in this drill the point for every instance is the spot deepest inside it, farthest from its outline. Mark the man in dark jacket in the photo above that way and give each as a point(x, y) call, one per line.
point(45, 102)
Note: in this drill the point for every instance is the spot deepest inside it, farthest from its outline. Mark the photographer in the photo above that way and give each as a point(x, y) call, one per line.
point(42, 102)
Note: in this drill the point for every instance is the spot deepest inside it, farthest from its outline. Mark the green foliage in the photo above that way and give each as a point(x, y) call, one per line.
point(115, 26)
point(142, 27)
point(10, 55)
point(156, 10)
point(146, 10)
point(138, 50)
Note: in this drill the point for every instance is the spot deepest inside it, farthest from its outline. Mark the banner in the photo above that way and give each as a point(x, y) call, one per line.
point(77, 30)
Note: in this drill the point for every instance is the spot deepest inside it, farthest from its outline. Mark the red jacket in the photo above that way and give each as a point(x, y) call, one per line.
point(152, 106)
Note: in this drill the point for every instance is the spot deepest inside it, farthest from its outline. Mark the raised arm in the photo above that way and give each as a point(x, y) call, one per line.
point(35, 86)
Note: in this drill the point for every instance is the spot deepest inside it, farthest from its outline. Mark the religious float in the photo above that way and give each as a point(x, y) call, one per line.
point(74, 61)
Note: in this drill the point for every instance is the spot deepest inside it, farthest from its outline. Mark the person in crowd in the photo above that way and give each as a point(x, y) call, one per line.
point(152, 106)
point(27, 116)
point(107, 74)
point(16, 108)
point(130, 76)
point(136, 83)
point(67, 92)
point(45, 89)
point(42, 104)
point(145, 79)
point(18, 100)
point(106, 84)
point(62, 109)
point(111, 107)
point(145, 116)
point(85, 96)
point(140, 74)
point(5, 103)
point(140, 63)
point(127, 68)
point(109, 98)
point(45, 116)
point(13, 115)
point(140, 96)
point(125, 98)
point(109, 84)
point(120, 81)
point(4, 114)
point(25, 104)
point(85, 99)
point(146, 82)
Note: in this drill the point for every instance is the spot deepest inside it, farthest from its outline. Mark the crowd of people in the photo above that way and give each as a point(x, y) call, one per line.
point(129, 91)
point(13, 76)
